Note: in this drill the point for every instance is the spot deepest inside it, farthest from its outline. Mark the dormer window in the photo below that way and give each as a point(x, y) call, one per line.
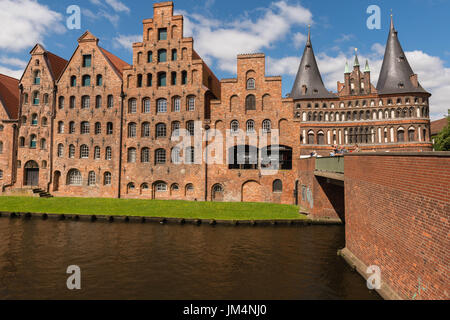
point(162, 34)
point(307, 67)
point(316, 91)
point(251, 84)
point(401, 58)
point(87, 58)
point(401, 85)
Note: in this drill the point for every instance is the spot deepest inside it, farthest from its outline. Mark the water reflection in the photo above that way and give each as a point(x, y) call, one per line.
point(146, 261)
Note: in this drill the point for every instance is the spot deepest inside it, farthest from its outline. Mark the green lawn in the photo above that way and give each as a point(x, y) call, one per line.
point(151, 208)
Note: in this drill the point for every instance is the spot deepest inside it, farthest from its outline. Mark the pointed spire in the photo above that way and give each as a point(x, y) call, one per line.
point(308, 83)
point(392, 22)
point(396, 73)
point(366, 68)
point(356, 64)
point(347, 69)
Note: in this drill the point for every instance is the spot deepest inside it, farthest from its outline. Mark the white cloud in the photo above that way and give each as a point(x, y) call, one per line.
point(10, 72)
point(299, 40)
point(13, 62)
point(433, 75)
point(126, 41)
point(25, 23)
point(118, 6)
point(223, 41)
point(345, 38)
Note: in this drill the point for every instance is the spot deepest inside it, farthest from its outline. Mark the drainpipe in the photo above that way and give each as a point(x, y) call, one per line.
point(207, 127)
point(122, 99)
point(55, 91)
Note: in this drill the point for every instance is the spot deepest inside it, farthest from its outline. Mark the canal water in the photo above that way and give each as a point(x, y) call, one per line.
point(150, 261)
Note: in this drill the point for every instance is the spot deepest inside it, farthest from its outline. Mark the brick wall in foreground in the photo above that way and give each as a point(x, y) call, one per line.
point(397, 217)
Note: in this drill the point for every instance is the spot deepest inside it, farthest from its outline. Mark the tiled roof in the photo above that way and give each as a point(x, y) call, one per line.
point(9, 95)
point(118, 63)
point(56, 63)
point(438, 125)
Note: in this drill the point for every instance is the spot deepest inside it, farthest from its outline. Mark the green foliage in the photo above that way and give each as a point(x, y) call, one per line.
point(442, 141)
point(151, 208)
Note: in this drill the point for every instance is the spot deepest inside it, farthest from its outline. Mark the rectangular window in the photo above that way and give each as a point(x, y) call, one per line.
point(110, 101)
point(162, 34)
point(87, 60)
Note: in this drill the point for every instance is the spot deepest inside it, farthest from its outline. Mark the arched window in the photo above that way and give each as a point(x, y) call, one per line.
point(146, 105)
point(60, 127)
point(84, 152)
point(60, 150)
point(190, 127)
point(149, 79)
point(250, 102)
point(98, 102)
point(176, 155)
point(71, 127)
point(43, 144)
point(21, 142)
point(61, 103)
point(108, 153)
point(73, 81)
point(162, 55)
point(277, 186)
point(131, 155)
point(85, 102)
point(107, 178)
point(174, 54)
point(400, 135)
point(149, 56)
point(250, 126)
point(99, 80)
point(98, 128)
point(411, 134)
point(189, 188)
point(173, 78)
point(251, 85)
point(36, 98)
point(189, 155)
point(320, 138)
point(34, 119)
point(160, 156)
point(132, 130)
point(33, 141)
point(71, 151)
point(86, 81)
point(132, 105)
point(162, 79)
point(139, 81)
point(25, 98)
point(131, 187)
point(110, 101)
point(145, 155)
point(109, 128)
point(92, 179)
point(97, 154)
point(191, 103)
point(1, 174)
point(74, 178)
point(85, 128)
point(175, 129)
point(161, 130)
point(161, 187)
point(311, 137)
point(175, 187)
point(162, 106)
point(145, 131)
point(37, 77)
point(234, 126)
point(184, 76)
point(176, 104)
point(72, 102)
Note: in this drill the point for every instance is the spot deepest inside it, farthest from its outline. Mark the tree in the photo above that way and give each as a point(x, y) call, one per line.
point(442, 141)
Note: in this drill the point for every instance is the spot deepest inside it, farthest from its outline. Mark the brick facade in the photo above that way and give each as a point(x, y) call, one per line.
point(104, 128)
point(397, 217)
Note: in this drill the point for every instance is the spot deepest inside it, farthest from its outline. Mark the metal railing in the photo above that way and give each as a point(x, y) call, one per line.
point(330, 164)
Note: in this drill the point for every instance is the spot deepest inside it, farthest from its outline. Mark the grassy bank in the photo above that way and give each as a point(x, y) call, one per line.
point(151, 208)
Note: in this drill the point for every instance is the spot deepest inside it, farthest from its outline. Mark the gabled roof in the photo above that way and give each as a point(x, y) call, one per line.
point(9, 95)
point(56, 64)
point(396, 72)
point(308, 77)
point(438, 125)
point(115, 61)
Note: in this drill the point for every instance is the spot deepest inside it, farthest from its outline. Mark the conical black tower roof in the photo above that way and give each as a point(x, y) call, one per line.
point(308, 75)
point(396, 72)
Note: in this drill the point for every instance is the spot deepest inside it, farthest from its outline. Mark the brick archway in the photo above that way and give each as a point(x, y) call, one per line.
point(252, 191)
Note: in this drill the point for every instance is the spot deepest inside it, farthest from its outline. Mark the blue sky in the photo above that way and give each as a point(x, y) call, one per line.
point(222, 29)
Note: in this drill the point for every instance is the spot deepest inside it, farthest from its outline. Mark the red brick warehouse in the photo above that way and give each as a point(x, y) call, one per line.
point(96, 126)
